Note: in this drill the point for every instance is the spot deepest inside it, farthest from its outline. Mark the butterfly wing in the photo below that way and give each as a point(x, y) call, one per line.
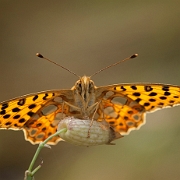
point(124, 105)
point(36, 114)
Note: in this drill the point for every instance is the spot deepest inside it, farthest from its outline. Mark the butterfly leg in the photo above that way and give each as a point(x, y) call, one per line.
point(95, 106)
point(74, 107)
point(63, 115)
point(95, 111)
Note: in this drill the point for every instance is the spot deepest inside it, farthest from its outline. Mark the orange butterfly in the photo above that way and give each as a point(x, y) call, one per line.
point(123, 106)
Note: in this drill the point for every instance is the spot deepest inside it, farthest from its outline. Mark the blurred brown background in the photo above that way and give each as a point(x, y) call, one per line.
point(86, 36)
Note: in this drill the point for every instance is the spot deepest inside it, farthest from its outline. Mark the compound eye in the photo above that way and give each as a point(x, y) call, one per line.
point(79, 86)
point(91, 86)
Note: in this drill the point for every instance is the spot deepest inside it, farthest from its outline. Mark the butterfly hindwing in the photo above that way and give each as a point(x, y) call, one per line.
point(122, 118)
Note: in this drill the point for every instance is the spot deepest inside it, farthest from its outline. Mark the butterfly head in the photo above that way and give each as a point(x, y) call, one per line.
point(84, 87)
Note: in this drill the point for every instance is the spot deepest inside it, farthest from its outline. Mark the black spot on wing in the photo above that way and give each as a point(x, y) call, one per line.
point(161, 104)
point(146, 104)
point(21, 102)
point(32, 106)
point(30, 113)
point(166, 93)
point(6, 116)
point(16, 116)
point(16, 109)
point(138, 100)
point(8, 123)
point(22, 120)
point(45, 96)
point(123, 88)
point(165, 88)
point(148, 88)
point(171, 101)
point(152, 100)
point(3, 112)
point(136, 94)
point(134, 87)
point(35, 97)
point(4, 106)
point(163, 97)
point(153, 94)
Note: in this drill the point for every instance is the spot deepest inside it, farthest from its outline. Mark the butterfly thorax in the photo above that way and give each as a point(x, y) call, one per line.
point(84, 95)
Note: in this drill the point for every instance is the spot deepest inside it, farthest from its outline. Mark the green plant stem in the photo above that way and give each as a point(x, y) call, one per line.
point(29, 174)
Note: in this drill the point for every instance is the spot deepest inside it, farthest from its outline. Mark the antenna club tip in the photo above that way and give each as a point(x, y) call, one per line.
point(134, 56)
point(39, 55)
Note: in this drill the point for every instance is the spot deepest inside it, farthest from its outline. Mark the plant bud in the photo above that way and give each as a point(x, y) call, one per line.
point(87, 132)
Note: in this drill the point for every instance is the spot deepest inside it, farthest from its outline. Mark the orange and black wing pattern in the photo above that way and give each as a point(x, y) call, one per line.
point(36, 114)
point(124, 105)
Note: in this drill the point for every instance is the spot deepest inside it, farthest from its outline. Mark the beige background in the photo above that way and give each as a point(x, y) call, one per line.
point(85, 36)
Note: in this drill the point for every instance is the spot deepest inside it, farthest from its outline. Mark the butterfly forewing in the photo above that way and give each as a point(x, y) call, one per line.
point(138, 99)
point(36, 114)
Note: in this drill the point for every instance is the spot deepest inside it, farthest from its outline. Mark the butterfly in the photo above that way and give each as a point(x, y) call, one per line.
point(122, 106)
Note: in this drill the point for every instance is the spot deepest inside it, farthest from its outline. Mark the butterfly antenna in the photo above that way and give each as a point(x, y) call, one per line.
point(41, 56)
point(131, 57)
